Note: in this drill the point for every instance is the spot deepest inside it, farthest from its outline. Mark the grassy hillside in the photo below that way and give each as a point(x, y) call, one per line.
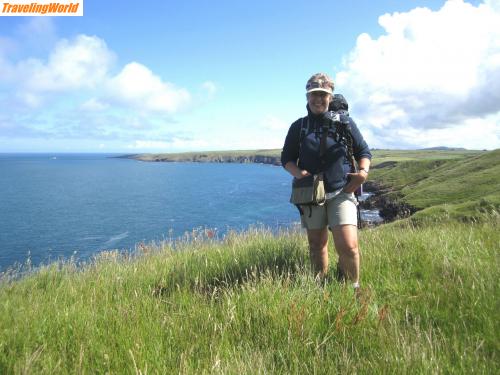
point(381, 156)
point(248, 305)
point(462, 187)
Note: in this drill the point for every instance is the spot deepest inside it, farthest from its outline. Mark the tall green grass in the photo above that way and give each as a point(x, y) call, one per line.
point(248, 304)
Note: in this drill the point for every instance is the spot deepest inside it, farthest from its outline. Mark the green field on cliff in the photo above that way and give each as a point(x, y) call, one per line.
point(248, 304)
point(463, 186)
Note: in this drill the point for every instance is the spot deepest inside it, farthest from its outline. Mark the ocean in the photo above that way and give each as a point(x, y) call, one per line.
point(56, 206)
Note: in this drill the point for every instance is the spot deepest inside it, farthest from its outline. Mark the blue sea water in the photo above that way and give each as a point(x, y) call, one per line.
point(54, 206)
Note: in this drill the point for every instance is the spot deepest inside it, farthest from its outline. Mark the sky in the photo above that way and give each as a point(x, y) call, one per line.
point(171, 76)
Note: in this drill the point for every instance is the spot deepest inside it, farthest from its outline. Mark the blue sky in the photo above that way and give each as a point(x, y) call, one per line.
point(167, 76)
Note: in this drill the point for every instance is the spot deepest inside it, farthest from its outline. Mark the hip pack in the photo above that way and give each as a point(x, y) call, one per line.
point(309, 190)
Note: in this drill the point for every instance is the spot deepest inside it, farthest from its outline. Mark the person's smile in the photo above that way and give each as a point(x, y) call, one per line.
point(318, 102)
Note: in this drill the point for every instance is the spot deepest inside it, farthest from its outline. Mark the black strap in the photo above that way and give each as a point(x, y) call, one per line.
point(350, 152)
point(322, 150)
point(322, 145)
point(303, 130)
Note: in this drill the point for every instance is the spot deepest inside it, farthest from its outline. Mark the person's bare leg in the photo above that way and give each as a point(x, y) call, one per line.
point(318, 250)
point(345, 238)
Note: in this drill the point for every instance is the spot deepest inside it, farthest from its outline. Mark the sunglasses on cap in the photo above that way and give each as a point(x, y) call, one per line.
point(320, 84)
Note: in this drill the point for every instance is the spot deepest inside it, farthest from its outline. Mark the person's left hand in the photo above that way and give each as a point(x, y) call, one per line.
point(355, 181)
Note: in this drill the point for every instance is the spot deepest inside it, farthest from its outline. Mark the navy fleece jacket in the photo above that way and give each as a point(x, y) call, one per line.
point(335, 163)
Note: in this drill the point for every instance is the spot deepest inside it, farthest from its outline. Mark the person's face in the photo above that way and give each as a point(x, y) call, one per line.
point(318, 101)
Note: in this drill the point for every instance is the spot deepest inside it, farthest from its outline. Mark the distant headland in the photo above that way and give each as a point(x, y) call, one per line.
point(239, 156)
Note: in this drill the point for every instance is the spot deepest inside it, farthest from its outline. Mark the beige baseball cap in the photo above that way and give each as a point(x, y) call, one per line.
point(320, 82)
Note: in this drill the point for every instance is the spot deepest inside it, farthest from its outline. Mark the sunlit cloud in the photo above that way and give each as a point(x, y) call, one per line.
point(432, 78)
point(81, 63)
point(78, 91)
point(137, 86)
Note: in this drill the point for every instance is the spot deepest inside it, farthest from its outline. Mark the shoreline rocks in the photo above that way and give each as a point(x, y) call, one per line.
point(389, 209)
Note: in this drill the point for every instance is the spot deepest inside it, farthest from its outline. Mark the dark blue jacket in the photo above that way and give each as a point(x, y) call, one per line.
point(335, 163)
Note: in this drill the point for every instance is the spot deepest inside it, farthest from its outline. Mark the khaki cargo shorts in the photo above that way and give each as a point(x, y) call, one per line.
point(340, 210)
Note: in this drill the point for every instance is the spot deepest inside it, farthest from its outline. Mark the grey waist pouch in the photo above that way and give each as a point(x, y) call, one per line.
point(308, 190)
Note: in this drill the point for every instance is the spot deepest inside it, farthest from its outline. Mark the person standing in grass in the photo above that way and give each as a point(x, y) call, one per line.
point(301, 158)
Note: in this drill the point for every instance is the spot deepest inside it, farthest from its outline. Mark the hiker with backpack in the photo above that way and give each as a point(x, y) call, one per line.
point(319, 152)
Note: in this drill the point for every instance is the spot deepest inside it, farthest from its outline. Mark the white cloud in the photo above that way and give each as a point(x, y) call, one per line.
point(76, 74)
point(137, 86)
point(81, 63)
point(479, 133)
point(432, 76)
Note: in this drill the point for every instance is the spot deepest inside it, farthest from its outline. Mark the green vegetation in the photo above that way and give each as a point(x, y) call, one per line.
point(248, 304)
point(380, 156)
point(462, 187)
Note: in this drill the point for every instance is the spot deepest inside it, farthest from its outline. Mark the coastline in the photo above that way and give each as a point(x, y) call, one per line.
point(389, 209)
point(251, 156)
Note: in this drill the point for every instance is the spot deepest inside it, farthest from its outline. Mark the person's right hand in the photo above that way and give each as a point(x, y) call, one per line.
point(303, 173)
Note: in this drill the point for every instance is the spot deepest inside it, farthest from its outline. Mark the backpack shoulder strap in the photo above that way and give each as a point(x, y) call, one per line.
point(304, 129)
